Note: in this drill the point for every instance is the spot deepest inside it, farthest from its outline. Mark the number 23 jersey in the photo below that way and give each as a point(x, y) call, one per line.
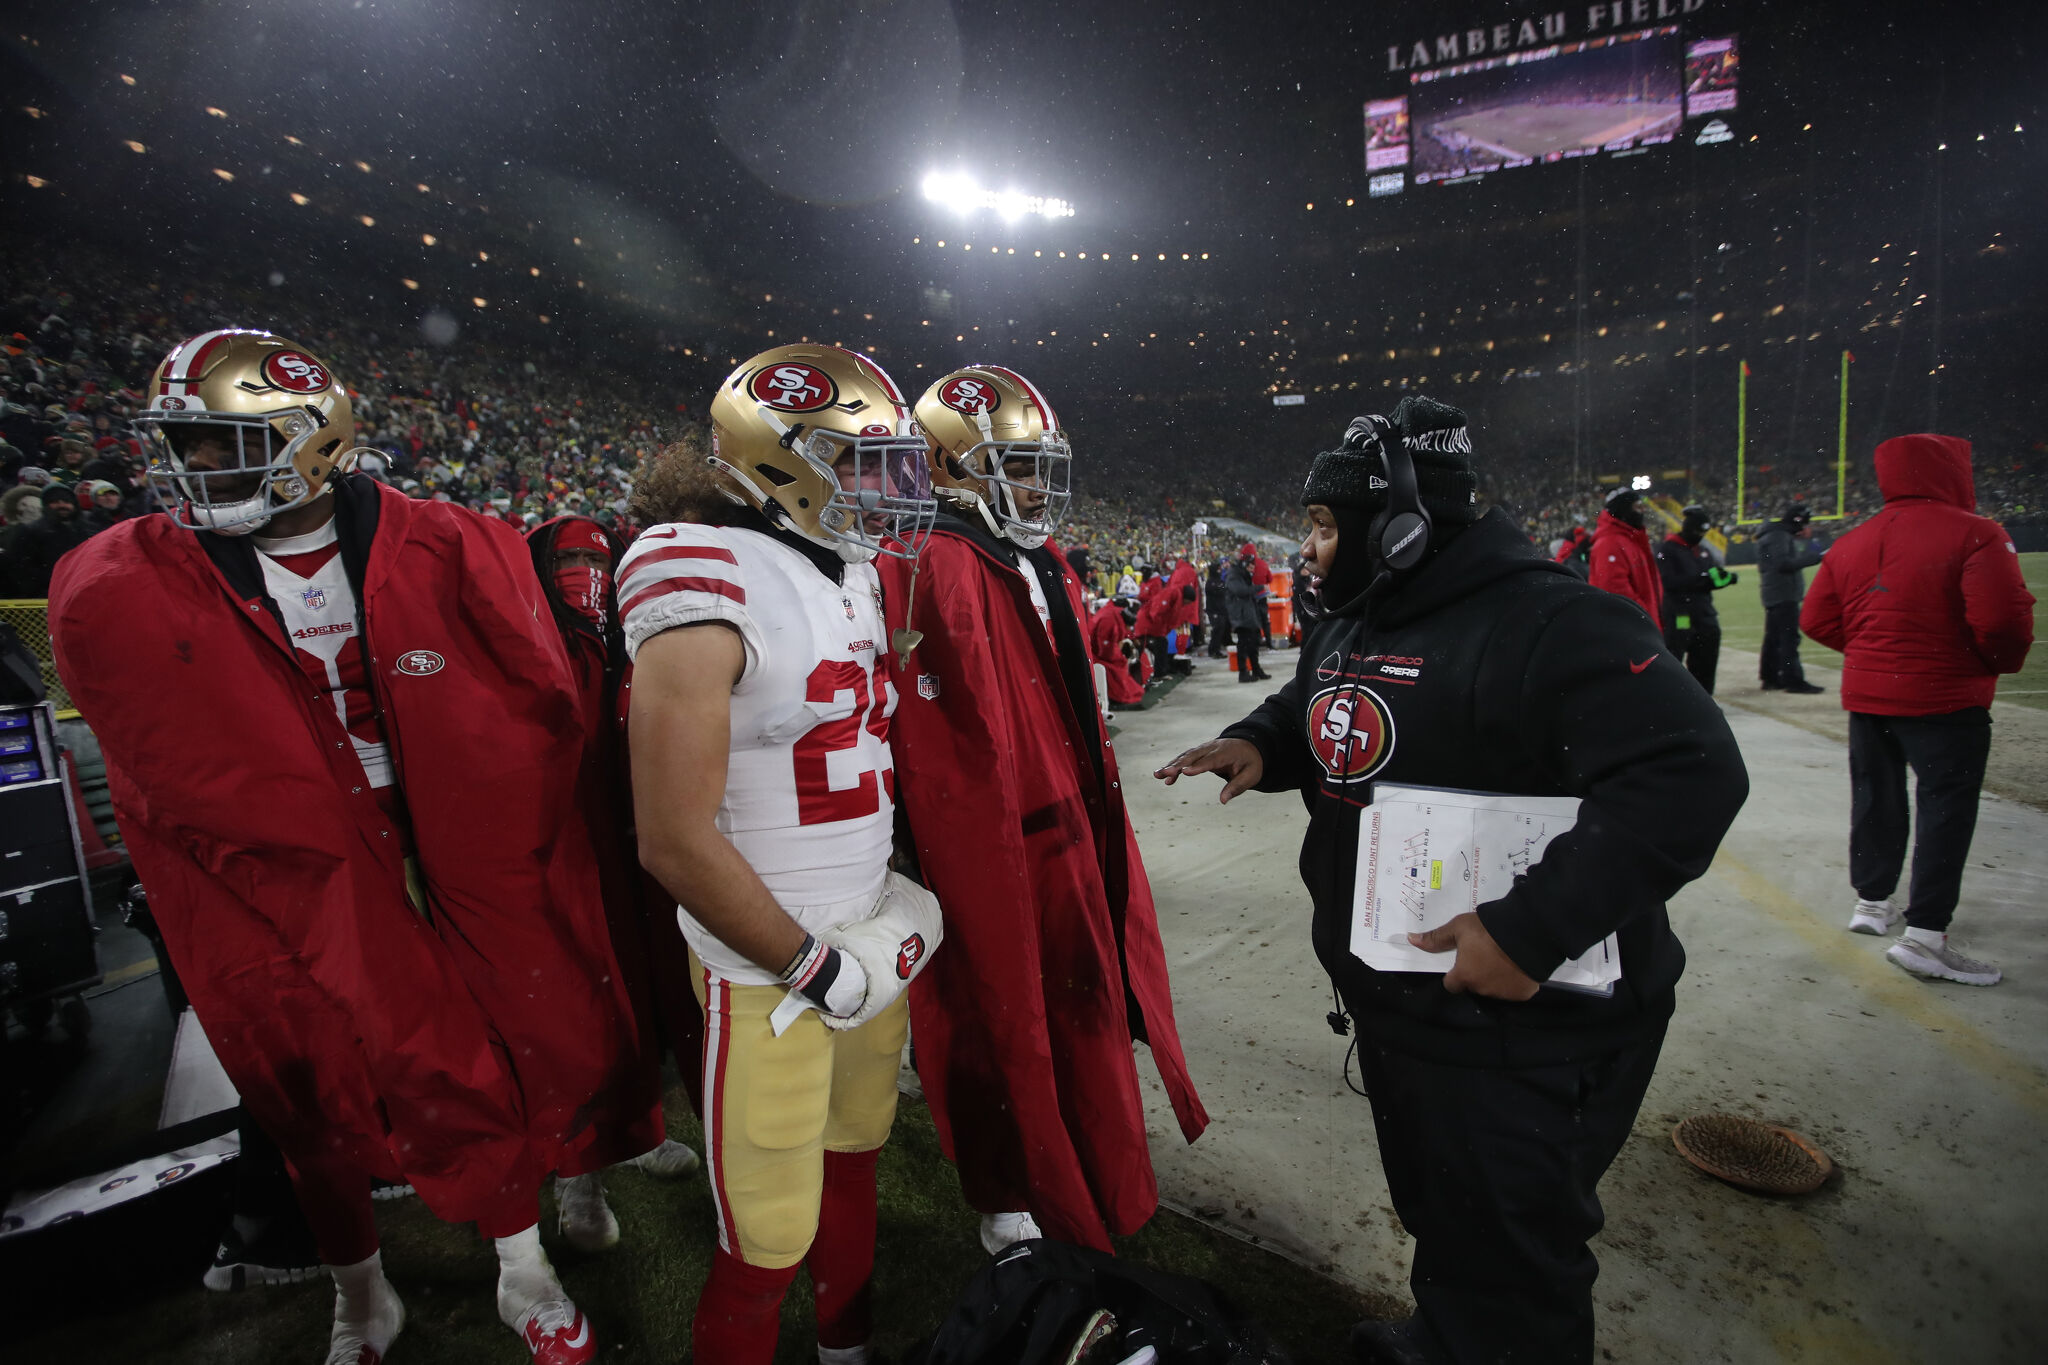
point(810, 788)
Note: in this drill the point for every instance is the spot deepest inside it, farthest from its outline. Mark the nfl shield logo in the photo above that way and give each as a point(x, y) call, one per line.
point(315, 599)
point(928, 686)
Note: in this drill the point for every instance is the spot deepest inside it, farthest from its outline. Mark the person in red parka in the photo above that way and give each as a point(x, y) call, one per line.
point(341, 740)
point(1158, 610)
point(1053, 961)
point(1110, 644)
point(577, 559)
point(1928, 606)
point(1184, 595)
point(1622, 561)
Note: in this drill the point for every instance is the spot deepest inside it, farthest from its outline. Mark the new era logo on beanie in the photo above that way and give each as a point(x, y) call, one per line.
point(1439, 445)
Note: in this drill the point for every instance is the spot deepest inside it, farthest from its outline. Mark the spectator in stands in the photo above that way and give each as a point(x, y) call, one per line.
point(1927, 603)
point(33, 554)
point(1691, 576)
point(105, 506)
point(1621, 559)
point(1781, 564)
point(20, 507)
point(1241, 591)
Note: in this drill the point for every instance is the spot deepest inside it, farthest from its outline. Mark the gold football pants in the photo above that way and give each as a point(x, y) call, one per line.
point(774, 1106)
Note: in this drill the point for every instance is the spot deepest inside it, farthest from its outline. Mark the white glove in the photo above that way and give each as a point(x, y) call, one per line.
point(820, 977)
point(891, 947)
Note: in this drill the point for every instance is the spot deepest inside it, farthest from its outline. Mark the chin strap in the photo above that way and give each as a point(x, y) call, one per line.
point(906, 639)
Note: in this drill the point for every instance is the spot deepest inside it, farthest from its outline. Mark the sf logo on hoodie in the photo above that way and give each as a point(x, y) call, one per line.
point(1351, 732)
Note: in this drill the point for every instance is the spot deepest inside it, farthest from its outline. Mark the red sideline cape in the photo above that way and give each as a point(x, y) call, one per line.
point(647, 942)
point(467, 1055)
point(1106, 634)
point(1184, 593)
point(1052, 962)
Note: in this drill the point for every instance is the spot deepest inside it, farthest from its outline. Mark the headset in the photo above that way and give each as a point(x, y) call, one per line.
point(1401, 532)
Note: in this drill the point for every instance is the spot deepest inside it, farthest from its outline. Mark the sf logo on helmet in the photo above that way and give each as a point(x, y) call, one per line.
point(793, 387)
point(295, 371)
point(908, 955)
point(971, 396)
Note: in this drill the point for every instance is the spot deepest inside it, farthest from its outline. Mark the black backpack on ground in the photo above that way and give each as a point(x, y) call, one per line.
point(1035, 1304)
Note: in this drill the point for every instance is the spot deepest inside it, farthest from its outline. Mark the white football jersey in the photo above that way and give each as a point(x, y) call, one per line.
point(305, 577)
point(810, 788)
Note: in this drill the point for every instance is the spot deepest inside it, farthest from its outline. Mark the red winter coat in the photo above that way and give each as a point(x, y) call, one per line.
point(1184, 592)
point(1024, 1023)
point(1926, 598)
point(1106, 634)
point(1625, 565)
point(1158, 609)
point(467, 1049)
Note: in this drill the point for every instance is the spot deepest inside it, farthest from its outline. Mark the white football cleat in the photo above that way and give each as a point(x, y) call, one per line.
point(670, 1161)
point(1000, 1230)
point(365, 1340)
point(1873, 917)
point(586, 1220)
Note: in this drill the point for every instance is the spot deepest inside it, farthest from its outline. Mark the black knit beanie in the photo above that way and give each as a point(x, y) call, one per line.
point(1440, 448)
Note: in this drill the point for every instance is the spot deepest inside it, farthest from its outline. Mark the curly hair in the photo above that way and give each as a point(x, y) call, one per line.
point(676, 483)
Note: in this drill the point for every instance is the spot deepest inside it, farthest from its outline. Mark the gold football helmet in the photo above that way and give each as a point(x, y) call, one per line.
point(996, 446)
point(821, 441)
point(279, 410)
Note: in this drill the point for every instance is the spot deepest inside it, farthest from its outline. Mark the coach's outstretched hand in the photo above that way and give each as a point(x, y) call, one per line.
point(1482, 968)
point(1237, 761)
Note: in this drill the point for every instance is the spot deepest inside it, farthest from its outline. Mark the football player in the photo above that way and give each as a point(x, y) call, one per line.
point(1011, 791)
point(765, 798)
point(343, 798)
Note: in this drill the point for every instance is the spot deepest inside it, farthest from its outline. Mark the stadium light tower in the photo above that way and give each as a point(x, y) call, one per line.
point(959, 192)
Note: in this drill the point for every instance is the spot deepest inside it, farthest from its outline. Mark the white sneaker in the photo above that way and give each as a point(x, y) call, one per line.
point(586, 1220)
point(1873, 917)
point(365, 1341)
point(1932, 961)
point(999, 1230)
point(670, 1161)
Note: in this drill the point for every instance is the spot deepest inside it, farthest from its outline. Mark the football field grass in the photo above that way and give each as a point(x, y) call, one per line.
point(1535, 130)
point(146, 1304)
point(1742, 627)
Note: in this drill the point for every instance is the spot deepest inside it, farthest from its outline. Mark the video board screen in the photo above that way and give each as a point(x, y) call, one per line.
point(1710, 70)
point(1617, 93)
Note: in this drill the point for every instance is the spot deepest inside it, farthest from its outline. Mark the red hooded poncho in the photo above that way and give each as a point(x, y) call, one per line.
point(1106, 633)
point(468, 1049)
point(1052, 962)
point(1624, 564)
point(1925, 599)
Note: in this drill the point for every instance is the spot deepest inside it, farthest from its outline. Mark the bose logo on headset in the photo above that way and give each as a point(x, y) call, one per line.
point(1403, 542)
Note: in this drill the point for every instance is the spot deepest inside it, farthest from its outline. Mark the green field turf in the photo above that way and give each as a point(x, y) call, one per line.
point(1742, 627)
point(1534, 130)
point(640, 1295)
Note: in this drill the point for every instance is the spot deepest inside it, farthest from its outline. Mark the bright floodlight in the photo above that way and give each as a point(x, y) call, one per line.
point(1640, 483)
point(961, 194)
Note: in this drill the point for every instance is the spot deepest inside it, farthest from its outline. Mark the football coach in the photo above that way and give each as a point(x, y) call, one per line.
point(1498, 1102)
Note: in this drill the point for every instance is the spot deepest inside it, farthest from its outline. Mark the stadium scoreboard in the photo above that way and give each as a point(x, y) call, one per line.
point(1614, 78)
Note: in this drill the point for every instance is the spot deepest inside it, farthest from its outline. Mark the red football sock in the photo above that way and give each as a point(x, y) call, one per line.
point(740, 1312)
point(842, 1259)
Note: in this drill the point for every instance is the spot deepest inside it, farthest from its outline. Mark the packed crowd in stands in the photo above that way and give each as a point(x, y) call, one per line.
point(498, 432)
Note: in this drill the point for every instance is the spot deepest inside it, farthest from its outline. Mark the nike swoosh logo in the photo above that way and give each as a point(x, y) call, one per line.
point(1637, 668)
point(582, 1337)
point(666, 533)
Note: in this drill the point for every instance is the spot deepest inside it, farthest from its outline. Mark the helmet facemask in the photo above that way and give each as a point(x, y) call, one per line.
point(880, 500)
point(1023, 486)
point(241, 496)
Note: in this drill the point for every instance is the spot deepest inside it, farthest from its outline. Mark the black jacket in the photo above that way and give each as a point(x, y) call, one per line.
point(1688, 574)
point(1493, 669)
point(1781, 565)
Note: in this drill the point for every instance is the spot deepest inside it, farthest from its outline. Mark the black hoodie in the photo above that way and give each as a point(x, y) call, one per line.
point(1489, 668)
